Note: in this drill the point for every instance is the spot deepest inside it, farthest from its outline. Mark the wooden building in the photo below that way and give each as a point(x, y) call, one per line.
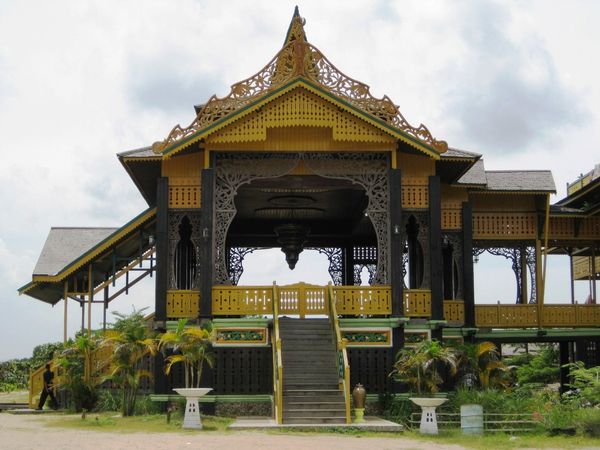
point(301, 156)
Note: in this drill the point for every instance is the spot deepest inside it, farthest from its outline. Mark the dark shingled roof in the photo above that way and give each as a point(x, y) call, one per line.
point(143, 152)
point(476, 175)
point(520, 180)
point(457, 153)
point(65, 245)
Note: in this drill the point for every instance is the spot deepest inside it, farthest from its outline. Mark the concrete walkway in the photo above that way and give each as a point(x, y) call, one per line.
point(267, 423)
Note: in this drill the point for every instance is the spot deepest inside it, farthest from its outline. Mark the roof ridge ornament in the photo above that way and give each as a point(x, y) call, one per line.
point(298, 59)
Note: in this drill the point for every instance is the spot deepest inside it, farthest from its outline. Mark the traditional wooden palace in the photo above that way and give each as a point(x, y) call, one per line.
point(301, 156)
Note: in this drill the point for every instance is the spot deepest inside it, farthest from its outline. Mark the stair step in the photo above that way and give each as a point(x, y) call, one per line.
point(327, 406)
point(314, 413)
point(314, 420)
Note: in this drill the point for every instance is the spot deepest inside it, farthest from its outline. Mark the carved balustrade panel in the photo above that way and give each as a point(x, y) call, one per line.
point(454, 311)
point(363, 300)
point(182, 304)
point(417, 303)
point(242, 300)
point(499, 225)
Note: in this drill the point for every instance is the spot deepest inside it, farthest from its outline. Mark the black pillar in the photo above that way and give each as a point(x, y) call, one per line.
point(435, 249)
point(564, 371)
point(206, 256)
point(162, 249)
point(349, 265)
point(396, 246)
point(467, 250)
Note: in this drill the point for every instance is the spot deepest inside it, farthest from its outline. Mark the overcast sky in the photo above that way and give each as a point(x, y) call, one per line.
point(82, 80)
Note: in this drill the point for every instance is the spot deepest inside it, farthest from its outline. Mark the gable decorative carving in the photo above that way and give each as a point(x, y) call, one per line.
point(299, 59)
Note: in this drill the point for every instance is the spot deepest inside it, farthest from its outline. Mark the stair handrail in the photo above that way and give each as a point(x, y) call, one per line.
point(343, 365)
point(277, 360)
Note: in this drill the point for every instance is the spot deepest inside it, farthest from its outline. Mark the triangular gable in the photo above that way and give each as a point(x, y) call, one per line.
point(300, 108)
point(299, 61)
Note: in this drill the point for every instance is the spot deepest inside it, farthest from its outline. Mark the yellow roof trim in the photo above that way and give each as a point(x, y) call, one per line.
point(301, 82)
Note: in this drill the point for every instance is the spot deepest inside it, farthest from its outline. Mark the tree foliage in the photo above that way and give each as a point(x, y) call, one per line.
point(191, 347)
point(130, 341)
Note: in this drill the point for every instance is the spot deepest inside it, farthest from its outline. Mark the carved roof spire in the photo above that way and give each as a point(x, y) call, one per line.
point(296, 29)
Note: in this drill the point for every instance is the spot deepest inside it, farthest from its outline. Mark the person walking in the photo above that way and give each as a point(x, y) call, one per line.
point(48, 390)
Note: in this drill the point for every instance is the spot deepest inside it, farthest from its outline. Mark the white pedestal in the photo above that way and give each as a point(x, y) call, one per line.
point(428, 415)
point(192, 407)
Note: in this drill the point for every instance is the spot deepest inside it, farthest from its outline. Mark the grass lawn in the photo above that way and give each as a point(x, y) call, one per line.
point(113, 422)
point(500, 441)
point(14, 397)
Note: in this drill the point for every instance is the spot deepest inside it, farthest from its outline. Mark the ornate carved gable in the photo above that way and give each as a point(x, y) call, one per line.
point(298, 59)
point(300, 108)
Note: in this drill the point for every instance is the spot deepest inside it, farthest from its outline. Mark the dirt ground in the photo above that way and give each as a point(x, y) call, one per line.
point(28, 432)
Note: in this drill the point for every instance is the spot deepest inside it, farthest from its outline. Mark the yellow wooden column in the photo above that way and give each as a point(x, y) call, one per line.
point(66, 298)
point(90, 298)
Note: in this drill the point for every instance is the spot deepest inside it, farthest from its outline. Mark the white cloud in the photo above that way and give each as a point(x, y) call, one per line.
point(81, 81)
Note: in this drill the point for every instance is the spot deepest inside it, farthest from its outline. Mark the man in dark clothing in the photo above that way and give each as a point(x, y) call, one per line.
point(47, 390)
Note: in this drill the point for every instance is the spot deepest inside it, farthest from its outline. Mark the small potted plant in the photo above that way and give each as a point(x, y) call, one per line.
point(419, 368)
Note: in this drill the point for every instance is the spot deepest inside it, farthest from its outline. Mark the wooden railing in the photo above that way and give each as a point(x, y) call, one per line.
point(363, 300)
point(524, 316)
point(454, 311)
point(343, 364)
point(580, 183)
point(183, 304)
point(277, 361)
point(417, 303)
point(303, 299)
point(242, 300)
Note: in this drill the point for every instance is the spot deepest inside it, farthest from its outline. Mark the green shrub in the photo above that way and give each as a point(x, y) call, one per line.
point(586, 383)
point(588, 421)
point(83, 396)
point(396, 409)
point(543, 368)
point(14, 374)
point(108, 401)
point(144, 406)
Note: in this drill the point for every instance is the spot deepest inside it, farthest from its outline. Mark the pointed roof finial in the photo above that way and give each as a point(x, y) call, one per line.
point(296, 28)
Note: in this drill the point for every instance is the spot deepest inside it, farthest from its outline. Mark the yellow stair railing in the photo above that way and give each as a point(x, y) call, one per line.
point(277, 361)
point(343, 365)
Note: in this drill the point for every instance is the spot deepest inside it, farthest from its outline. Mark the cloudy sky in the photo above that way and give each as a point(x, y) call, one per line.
point(83, 80)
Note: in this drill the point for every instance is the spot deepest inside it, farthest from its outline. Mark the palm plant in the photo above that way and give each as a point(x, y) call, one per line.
point(419, 366)
point(190, 347)
point(481, 365)
point(130, 341)
point(75, 362)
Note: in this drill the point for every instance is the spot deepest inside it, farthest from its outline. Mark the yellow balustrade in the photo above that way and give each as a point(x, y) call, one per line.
point(454, 311)
point(504, 225)
point(344, 365)
point(242, 300)
point(526, 316)
point(183, 304)
point(363, 300)
point(277, 360)
point(417, 303)
point(303, 299)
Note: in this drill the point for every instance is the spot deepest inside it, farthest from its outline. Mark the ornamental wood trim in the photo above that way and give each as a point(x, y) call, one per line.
point(363, 300)
point(506, 316)
point(183, 304)
point(242, 300)
point(454, 311)
point(504, 225)
point(303, 299)
point(415, 196)
point(417, 303)
point(184, 197)
point(590, 228)
point(299, 108)
point(451, 219)
point(582, 267)
point(561, 227)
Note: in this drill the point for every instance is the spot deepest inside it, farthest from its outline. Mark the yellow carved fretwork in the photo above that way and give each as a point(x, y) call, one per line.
point(300, 60)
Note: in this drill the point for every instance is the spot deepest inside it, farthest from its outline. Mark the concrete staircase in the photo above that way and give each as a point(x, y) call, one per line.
point(311, 393)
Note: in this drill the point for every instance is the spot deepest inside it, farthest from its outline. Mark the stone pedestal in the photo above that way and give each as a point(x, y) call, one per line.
point(192, 417)
point(428, 416)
